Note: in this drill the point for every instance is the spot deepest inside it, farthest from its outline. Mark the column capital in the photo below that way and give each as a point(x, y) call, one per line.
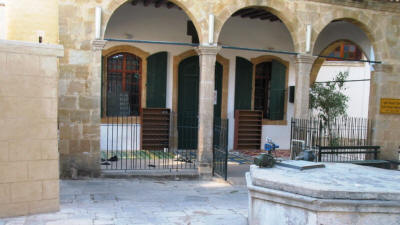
point(305, 58)
point(98, 45)
point(386, 68)
point(208, 50)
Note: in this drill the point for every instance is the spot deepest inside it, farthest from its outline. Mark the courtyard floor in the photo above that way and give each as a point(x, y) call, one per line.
point(144, 201)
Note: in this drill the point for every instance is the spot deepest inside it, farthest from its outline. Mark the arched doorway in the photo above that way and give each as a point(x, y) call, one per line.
point(343, 47)
point(143, 141)
point(265, 30)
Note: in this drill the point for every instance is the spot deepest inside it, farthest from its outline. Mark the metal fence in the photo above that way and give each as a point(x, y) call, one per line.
point(309, 134)
point(220, 148)
point(121, 146)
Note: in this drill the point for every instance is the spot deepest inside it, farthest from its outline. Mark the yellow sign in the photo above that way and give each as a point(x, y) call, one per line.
point(390, 106)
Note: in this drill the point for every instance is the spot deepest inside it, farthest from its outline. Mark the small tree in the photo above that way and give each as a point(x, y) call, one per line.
point(329, 102)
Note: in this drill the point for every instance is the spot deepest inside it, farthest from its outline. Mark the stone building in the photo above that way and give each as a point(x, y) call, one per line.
point(252, 46)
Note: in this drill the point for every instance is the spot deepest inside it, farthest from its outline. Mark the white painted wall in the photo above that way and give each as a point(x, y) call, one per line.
point(124, 137)
point(358, 92)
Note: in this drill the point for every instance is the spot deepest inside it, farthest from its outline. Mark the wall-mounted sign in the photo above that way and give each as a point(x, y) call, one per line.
point(390, 106)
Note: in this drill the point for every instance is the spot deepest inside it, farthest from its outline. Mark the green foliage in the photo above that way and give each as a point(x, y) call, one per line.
point(328, 100)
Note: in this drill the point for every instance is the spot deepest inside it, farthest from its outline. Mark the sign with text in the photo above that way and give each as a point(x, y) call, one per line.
point(390, 106)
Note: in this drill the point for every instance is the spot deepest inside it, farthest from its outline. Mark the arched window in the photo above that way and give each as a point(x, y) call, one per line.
point(123, 85)
point(346, 50)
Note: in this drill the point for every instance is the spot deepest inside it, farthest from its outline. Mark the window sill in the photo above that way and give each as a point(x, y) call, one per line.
point(274, 122)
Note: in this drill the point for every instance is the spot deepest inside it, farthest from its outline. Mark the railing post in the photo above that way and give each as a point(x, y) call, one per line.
point(319, 154)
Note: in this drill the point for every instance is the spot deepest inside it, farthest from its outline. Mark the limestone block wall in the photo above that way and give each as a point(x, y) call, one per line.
point(25, 20)
point(29, 172)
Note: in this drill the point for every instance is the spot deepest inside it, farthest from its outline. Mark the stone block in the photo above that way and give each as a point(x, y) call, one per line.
point(51, 189)
point(63, 146)
point(79, 57)
point(3, 151)
point(26, 191)
point(5, 195)
point(91, 131)
point(2, 63)
point(13, 172)
point(23, 64)
point(24, 150)
point(25, 107)
point(13, 209)
point(74, 146)
point(42, 206)
point(68, 102)
point(49, 149)
point(76, 87)
point(41, 170)
point(43, 129)
point(84, 146)
point(31, 86)
point(48, 66)
point(95, 146)
point(87, 102)
point(82, 116)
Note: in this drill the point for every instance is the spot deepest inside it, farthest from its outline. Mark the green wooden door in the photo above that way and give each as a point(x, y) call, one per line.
point(218, 102)
point(188, 102)
point(277, 91)
point(156, 80)
point(243, 83)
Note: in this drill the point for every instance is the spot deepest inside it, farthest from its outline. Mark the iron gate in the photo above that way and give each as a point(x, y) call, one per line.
point(220, 148)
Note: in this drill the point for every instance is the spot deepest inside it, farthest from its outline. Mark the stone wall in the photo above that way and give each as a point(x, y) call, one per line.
point(26, 20)
point(29, 173)
point(79, 95)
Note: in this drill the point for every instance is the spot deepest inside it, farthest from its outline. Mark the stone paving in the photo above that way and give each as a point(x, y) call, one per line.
point(144, 201)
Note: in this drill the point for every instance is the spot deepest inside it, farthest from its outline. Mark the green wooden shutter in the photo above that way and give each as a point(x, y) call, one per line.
point(156, 80)
point(102, 88)
point(277, 92)
point(243, 83)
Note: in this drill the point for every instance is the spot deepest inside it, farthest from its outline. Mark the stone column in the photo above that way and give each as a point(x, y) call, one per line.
point(303, 65)
point(385, 83)
point(206, 108)
point(94, 88)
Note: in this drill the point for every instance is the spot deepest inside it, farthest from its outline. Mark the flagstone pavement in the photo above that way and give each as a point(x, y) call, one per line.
point(144, 201)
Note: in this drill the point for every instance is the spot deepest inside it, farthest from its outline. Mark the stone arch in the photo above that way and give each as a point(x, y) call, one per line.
point(370, 29)
point(277, 8)
point(319, 61)
point(113, 5)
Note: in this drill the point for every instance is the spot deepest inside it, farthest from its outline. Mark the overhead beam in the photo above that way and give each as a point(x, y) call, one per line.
point(249, 13)
point(170, 5)
point(261, 13)
point(268, 17)
point(147, 2)
point(158, 3)
point(134, 2)
point(240, 12)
